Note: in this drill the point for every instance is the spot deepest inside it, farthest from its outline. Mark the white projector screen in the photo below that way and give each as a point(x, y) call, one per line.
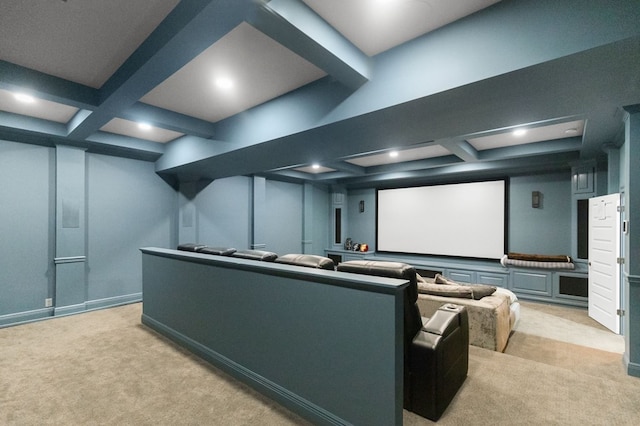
point(461, 220)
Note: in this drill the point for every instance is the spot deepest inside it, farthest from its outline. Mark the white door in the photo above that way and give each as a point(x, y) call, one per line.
point(604, 270)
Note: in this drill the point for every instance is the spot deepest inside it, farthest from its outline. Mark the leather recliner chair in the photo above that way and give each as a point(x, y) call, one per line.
point(436, 349)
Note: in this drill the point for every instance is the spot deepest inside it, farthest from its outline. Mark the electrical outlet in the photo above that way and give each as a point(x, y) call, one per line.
point(48, 302)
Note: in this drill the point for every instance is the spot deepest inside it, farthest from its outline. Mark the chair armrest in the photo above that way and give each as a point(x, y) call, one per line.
point(444, 321)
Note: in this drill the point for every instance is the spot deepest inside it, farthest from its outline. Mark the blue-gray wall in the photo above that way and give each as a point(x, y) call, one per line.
point(284, 217)
point(224, 213)
point(252, 212)
point(317, 212)
point(124, 205)
point(128, 207)
point(361, 226)
point(546, 229)
point(26, 265)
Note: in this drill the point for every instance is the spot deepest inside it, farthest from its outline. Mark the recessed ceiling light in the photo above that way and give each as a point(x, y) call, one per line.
point(224, 83)
point(571, 131)
point(315, 166)
point(393, 154)
point(519, 132)
point(144, 126)
point(22, 97)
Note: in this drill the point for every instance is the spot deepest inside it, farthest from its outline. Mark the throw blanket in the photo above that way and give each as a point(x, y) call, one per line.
point(539, 257)
point(549, 262)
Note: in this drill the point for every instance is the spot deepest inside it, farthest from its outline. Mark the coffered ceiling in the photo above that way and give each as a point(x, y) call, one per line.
point(336, 91)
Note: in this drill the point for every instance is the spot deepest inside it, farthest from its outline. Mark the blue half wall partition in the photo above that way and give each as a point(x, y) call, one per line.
point(325, 344)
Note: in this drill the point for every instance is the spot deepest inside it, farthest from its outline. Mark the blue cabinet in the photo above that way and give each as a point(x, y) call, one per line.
point(495, 279)
point(531, 282)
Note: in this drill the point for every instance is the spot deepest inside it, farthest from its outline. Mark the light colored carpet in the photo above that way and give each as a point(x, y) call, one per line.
point(567, 324)
point(105, 368)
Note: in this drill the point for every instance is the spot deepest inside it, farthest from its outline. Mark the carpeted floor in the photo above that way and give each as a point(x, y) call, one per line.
point(567, 324)
point(105, 368)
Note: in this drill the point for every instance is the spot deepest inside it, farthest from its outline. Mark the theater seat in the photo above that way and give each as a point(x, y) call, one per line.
point(436, 349)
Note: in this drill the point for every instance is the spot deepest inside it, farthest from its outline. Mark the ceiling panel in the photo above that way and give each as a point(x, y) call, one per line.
point(258, 69)
point(136, 130)
point(34, 107)
point(430, 151)
point(314, 169)
point(530, 135)
point(84, 41)
point(378, 25)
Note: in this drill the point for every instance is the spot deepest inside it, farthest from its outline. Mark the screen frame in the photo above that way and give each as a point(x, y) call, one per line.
point(504, 179)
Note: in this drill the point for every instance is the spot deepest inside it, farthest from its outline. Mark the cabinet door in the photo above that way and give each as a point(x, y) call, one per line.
point(531, 282)
point(573, 288)
point(498, 280)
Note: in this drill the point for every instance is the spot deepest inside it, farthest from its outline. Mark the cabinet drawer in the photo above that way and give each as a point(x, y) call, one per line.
point(531, 282)
point(498, 280)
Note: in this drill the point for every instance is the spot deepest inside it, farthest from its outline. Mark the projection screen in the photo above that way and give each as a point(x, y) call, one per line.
point(461, 220)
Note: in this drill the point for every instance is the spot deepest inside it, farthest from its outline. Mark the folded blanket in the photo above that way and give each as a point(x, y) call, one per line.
point(539, 257)
point(506, 261)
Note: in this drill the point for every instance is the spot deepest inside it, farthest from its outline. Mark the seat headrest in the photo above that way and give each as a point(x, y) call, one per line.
point(384, 269)
point(190, 247)
point(308, 260)
point(265, 256)
point(221, 251)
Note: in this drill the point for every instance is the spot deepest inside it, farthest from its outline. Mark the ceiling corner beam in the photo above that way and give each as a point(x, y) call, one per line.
point(169, 120)
point(297, 27)
point(556, 146)
point(44, 86)
point(345, 166)
point(460, 148)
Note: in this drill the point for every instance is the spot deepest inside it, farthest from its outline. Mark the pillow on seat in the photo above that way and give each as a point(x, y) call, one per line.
point(460, 291)
point(439, 279)
point(482, 290)
point(477, 291)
